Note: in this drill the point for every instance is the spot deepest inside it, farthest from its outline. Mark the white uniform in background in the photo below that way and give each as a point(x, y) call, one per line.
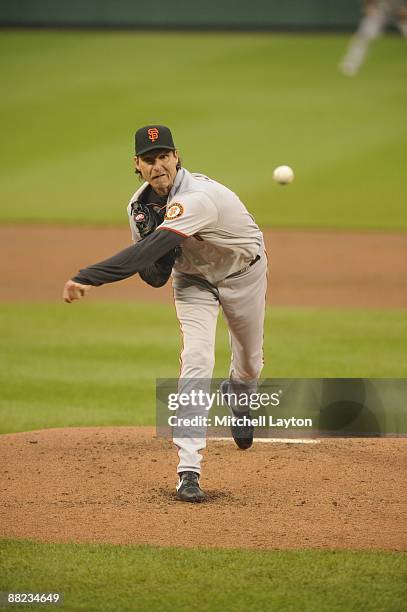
point(378, 14)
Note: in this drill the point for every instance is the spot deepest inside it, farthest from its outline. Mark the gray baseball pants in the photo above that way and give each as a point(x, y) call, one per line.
point(242, 300)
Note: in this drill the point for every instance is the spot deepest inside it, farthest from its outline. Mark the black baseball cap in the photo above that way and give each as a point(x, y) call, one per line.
point(153, 137)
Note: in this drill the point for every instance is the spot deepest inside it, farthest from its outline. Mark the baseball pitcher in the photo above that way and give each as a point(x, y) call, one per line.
point(192, 228)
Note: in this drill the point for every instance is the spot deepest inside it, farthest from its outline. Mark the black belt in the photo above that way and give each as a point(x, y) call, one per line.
point(255, 260)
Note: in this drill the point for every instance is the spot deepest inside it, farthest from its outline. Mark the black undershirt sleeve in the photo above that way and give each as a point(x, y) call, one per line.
point(158, 273)
point(131, 260)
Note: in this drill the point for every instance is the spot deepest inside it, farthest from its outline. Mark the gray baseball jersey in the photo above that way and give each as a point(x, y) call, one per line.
point(222, 236)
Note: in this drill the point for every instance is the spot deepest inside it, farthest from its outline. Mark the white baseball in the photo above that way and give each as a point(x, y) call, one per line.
point(283, 175)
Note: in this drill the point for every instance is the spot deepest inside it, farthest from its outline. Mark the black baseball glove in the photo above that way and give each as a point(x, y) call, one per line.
point(147, 217)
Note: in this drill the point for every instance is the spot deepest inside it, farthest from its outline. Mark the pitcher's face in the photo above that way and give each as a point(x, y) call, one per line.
point(159, 168)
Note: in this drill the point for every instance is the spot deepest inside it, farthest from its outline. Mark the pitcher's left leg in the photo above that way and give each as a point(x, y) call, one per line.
point(197, 311)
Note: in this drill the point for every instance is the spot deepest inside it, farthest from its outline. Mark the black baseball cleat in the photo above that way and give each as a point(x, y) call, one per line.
point(242, 434)
point(188, 488)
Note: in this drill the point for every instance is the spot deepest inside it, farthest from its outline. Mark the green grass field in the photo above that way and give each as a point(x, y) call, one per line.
point(239, 105)
point(96, 577)
point(88, 364)
point(84, 365)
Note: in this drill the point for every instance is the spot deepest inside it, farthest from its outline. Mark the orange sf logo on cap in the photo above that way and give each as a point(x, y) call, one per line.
point(153, 134)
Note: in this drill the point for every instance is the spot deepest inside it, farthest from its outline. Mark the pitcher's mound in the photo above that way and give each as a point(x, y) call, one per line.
point(117, 485)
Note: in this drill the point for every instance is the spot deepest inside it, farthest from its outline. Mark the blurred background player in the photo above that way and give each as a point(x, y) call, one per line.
point(378, 14)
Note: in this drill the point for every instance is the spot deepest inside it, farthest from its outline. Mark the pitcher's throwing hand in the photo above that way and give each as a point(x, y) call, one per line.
point(74, 291)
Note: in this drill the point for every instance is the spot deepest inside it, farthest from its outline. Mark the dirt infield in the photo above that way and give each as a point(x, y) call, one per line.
point(117, 485)
point(308, 268)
